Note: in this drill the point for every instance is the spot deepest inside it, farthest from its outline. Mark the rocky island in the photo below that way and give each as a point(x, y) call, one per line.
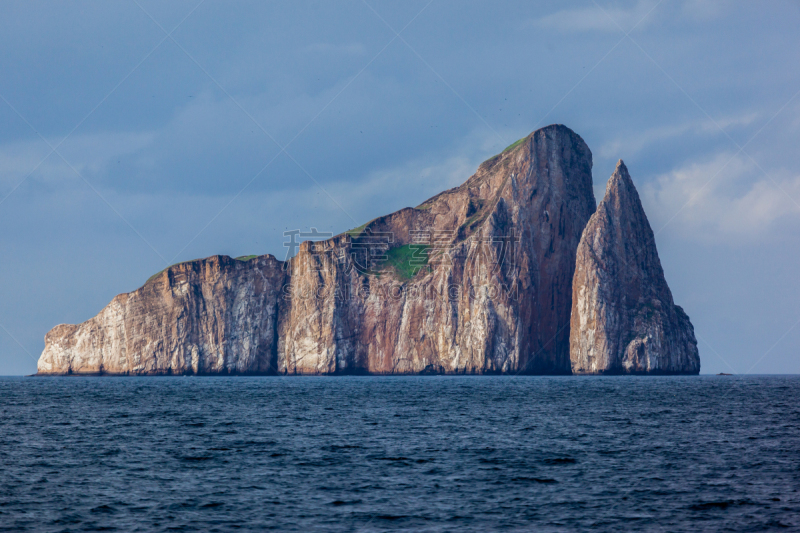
point(515, 271)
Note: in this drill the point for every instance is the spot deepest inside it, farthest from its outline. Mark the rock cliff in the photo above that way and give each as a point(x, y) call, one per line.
point(477, 279)
point(216, 315)
point(493, 292)
point(623, 316)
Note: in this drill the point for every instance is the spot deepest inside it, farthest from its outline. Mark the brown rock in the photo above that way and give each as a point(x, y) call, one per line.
point(211, 316)
point(496, 297)
point(623, 316)
point(476, 279)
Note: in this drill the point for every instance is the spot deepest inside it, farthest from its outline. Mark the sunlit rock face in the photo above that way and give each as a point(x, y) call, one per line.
point(216, 315)
point(623, 316)
point(478, 279)
point(493, 296)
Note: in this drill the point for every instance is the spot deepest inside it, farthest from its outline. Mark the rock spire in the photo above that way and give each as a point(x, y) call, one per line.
point(623, 317)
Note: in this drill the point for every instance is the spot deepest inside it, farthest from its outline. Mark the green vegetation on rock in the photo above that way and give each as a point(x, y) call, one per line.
point(245, 257)
point(355, 232)
point(407, 260)
point(508, 148)
point(514, 145)
point(470, 222)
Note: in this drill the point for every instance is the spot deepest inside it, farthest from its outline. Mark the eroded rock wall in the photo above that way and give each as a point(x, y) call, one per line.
point(211, 316)
point(478, 279)
point(623, 317)
point(495, 295)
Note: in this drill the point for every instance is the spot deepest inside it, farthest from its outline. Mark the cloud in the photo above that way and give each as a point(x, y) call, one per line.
point(90, 154)
point(594, 18)
point(639, 140)
point(603, 18)
point(724, 199)
point(701, 10)
point(388, 189)
point(410, 184)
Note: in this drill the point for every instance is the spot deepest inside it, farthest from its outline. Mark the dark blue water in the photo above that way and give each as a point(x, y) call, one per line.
point(411, 453)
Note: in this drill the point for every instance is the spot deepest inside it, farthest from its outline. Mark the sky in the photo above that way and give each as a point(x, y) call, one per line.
point(137, 134)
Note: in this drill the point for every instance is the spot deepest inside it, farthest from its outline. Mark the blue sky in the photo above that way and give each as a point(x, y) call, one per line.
point(187, 129)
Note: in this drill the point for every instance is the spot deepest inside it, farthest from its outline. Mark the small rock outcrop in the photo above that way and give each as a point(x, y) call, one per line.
point(623, 317)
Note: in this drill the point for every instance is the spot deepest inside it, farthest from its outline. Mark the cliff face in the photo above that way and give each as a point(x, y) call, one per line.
point(217, 315)
point(493, 294)
point(623, 317)
point(476, 279)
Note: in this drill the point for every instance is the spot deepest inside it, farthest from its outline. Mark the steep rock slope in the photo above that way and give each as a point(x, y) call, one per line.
point(476, 279)
point(623, 317)
point(216, 315)
point(495, 292)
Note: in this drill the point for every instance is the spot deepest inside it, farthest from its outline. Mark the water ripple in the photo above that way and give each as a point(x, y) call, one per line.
point(412, 453)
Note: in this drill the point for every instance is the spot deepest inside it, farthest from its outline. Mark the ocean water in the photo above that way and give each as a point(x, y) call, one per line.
point(430, 453)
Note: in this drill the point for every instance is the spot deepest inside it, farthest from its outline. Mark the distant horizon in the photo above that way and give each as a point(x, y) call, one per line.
point(335, 376)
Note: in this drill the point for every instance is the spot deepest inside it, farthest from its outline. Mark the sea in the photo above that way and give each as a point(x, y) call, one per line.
point(426, 453)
